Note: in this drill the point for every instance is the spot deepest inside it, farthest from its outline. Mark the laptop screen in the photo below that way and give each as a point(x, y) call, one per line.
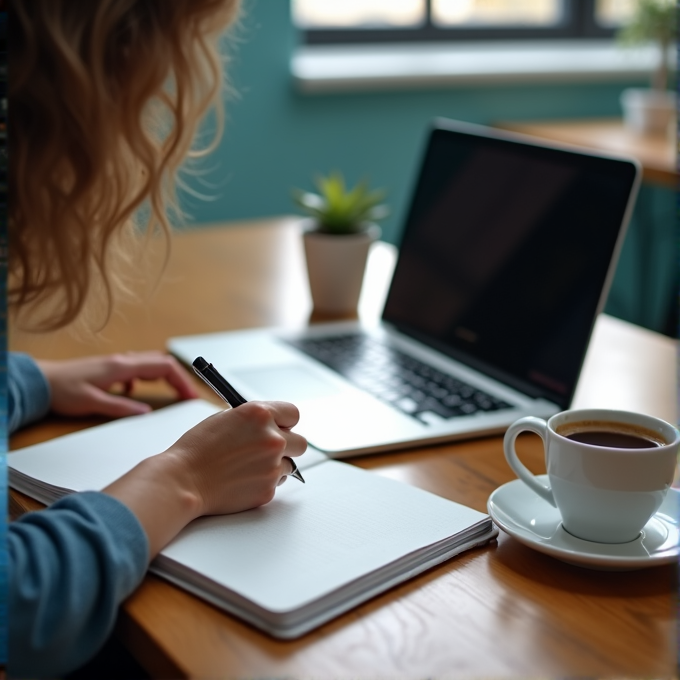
point(505, 255)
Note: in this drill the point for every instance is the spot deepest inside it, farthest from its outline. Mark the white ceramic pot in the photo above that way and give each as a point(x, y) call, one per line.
point(335, 266)
point(647, 111)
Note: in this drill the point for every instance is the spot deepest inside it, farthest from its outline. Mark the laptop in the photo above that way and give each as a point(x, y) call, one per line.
point(507, 254)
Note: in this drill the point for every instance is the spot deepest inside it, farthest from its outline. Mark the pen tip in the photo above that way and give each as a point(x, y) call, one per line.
point(297, 475)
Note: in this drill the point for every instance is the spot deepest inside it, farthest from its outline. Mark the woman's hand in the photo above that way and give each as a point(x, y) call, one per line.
point(81, 387)
point(232, 461)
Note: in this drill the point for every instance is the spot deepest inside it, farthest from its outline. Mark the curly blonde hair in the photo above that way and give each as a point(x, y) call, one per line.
point(105, 98)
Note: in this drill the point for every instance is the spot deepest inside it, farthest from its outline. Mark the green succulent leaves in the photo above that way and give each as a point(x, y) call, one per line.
point(339, 210)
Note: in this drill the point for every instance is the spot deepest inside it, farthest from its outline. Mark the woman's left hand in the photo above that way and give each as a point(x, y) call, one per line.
point(81, 386)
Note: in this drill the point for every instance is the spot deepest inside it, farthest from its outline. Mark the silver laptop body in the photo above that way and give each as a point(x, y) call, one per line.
point(505, 261)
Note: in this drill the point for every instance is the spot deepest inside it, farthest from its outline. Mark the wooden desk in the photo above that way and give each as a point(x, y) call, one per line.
point(656, 153)
point(500, 611)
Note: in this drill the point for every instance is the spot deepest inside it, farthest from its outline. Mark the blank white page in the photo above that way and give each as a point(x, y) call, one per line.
point(315, 537)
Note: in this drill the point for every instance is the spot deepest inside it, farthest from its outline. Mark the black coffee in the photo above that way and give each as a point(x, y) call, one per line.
point(615, 440)
point(610, 434)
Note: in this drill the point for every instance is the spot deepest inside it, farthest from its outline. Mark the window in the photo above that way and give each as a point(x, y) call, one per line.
point(370, 21)
point(614, 12)
point(351, 45)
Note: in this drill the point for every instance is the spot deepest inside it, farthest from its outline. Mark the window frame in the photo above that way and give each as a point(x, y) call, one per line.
point(579, 23)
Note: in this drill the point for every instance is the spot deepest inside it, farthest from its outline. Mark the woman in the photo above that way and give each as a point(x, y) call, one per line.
point(104, 101)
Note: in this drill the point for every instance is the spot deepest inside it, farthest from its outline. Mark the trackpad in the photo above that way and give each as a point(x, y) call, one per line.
point(286, 383)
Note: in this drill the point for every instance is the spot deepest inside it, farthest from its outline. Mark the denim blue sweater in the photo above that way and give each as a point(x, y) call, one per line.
point(70, 566)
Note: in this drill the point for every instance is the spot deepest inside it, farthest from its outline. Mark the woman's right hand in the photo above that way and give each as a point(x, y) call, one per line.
point(232, 461)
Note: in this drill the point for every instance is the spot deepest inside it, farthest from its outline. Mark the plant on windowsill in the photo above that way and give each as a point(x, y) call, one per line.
point(337, 237)
point(652, 110)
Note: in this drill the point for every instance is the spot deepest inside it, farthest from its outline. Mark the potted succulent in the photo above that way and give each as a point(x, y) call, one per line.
point(337, 237)
point(651, 110)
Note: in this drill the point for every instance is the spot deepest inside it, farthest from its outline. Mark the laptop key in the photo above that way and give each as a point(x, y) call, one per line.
point(407, 405)
point(452, 400)
point(434, 406)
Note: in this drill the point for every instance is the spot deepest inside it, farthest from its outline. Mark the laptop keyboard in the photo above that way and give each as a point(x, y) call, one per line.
point(415, 388)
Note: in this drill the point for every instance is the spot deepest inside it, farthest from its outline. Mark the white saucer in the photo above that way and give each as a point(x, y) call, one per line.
point(516, 509)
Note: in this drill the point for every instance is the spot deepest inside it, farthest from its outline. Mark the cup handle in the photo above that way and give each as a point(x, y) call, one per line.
point(539, 427)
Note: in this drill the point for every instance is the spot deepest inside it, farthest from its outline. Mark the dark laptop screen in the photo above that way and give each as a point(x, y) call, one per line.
point(505, 255)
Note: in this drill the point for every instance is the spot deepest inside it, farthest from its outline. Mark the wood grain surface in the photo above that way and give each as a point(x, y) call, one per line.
point(656, 152)
point(500, 611)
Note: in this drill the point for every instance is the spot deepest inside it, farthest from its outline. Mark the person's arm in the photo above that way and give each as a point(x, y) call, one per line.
point(72, 564)
point(28, 391)
point(70, 567)
point(230, 462)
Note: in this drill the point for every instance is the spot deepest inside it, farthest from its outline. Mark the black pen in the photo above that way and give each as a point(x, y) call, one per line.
point(211, 376)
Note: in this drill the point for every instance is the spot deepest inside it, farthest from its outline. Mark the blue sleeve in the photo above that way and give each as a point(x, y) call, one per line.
point(70, 566)
point(28, 392)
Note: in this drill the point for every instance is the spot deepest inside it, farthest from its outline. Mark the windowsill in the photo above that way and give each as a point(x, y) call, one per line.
point(326, 68)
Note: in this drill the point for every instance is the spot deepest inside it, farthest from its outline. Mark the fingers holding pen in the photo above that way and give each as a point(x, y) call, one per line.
point(286, 416)
point(234, 460)
point(280, 416)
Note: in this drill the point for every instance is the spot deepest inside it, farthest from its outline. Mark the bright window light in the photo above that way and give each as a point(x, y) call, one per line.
point(359, 13)
point(614, 12)
point(486, 13)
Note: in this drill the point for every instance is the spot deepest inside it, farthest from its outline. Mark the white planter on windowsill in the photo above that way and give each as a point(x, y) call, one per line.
point(335, 265)
point(648, 111)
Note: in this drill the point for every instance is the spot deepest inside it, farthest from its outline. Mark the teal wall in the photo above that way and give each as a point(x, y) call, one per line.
point(277, 138)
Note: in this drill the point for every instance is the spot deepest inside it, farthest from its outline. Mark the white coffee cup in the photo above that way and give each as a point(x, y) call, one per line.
point(605, 493)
